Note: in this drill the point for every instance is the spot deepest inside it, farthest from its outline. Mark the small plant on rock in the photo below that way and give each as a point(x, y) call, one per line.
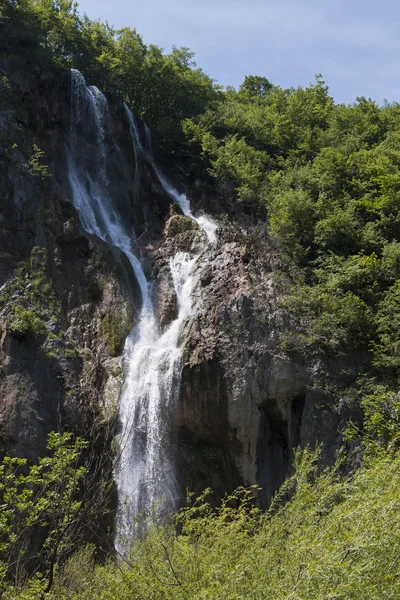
point(34, 166)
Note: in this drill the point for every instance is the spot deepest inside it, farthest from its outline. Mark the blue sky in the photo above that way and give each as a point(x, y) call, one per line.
point(355, 44)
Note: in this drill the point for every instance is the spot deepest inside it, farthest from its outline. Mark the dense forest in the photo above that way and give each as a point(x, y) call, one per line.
point(323, 181)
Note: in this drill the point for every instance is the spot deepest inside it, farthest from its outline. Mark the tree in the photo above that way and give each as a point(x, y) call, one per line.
point(254, 85)
point(48, 509)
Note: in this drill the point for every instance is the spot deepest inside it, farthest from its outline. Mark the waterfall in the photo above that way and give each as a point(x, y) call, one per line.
point(205, 223)
point(137, 144)
point(144, 471)
point(89, 186)
point(137, 150)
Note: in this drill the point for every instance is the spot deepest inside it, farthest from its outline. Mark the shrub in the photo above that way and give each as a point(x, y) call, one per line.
point(34, 166)
point(336, 538)
point(26, 323)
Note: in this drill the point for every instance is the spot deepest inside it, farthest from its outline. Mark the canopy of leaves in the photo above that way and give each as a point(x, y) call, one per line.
point(161, 88)
point(326, 180)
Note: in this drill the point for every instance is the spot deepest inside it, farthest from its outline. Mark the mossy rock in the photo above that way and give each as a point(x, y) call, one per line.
point(114, 328)
point(179, 224)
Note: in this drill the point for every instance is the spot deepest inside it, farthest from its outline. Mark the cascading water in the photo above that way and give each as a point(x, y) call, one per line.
point(144, 472)
point(206, 224)
point(138, 150)
point(89, 186)
point(137, 144)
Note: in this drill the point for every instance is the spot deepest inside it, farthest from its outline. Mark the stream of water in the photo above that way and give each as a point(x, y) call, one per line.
point(144, 472)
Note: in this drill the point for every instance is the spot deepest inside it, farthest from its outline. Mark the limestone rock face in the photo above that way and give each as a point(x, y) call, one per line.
point(244, 404)
point(68, 301)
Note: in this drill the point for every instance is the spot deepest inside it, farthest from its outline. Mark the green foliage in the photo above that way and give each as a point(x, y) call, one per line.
point(114, 328)
point(40, 508)
point(382, 419)
point(31, 296)
point(161, 88)
point(387, 345)
point(34, 166)
point(332, 320)
point(327, 180)
point(391, 260)
point(334, 537)
point(26, 323)
point(48, 510)
point(32, 280)
point(254, 85)
point(292, 219)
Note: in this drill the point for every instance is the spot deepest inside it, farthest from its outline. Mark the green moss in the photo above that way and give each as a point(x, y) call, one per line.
point(114, 329)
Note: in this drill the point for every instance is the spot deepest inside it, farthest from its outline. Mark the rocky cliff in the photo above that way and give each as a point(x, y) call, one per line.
point(244, 403)
point(68, 300)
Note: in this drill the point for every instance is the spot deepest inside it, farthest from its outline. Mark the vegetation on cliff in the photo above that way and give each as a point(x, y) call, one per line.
point(324, 179)
point(161, 88)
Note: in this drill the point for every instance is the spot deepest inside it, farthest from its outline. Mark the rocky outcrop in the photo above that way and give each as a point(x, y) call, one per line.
point(244, 404)
point(68, 301)
point(178, 224)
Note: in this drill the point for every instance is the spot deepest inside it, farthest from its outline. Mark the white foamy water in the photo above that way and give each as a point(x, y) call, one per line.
point(205, 223)
point(144, 471)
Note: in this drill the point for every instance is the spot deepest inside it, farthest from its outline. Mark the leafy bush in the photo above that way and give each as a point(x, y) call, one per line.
point(337, 537)
point(38, 504)
point(328, 178)
point(333, 321)
point(387, 346)
point(36, 303)
point(47, 510)
point(26, 323)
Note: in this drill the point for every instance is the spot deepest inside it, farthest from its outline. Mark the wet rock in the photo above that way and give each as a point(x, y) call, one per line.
point(179, 224)
point(166, 302)
point(70, 229)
